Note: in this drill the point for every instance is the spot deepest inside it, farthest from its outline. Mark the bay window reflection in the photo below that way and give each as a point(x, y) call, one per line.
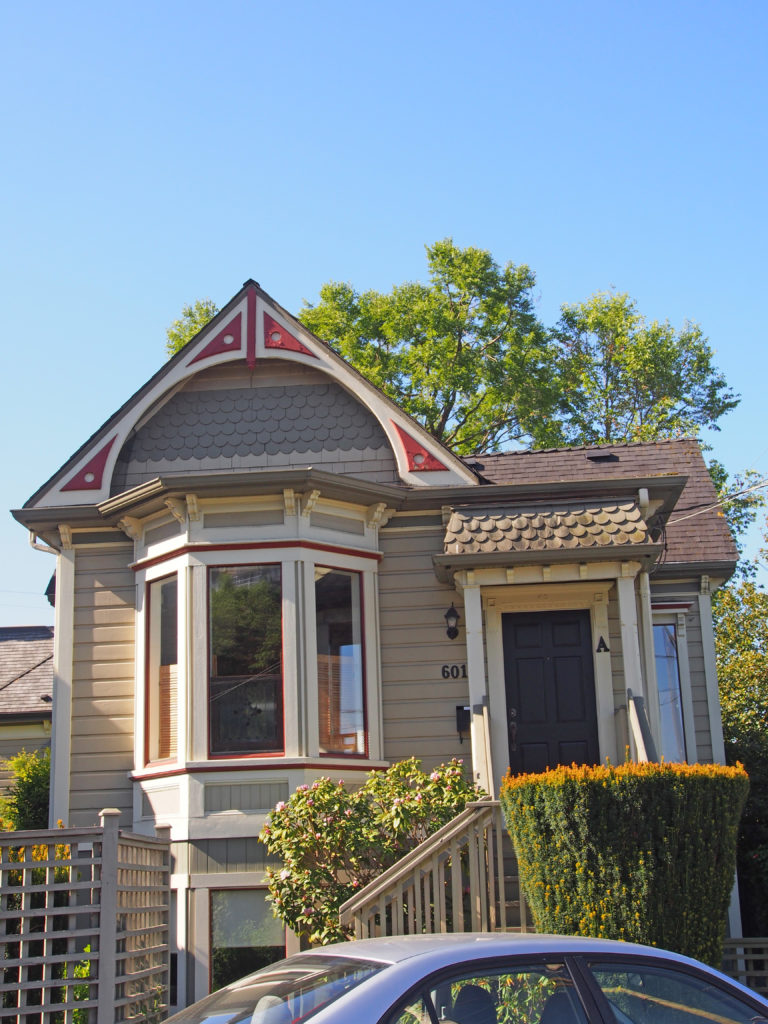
point(245, 690)
point(670, 697)
point(339, 661)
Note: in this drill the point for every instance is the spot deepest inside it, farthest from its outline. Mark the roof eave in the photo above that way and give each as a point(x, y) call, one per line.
point(447, 565)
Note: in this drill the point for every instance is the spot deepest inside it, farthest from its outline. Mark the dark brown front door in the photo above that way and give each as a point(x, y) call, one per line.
point(550, 686)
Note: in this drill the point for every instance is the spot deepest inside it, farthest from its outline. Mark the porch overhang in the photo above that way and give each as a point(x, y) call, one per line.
point(447, 566)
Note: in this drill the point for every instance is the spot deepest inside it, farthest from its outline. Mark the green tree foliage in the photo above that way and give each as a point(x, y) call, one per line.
point(192, 320)
point(626, 379)
point(332, 841)
point(26, 806)
point(641, 852)
point(464, 355)
point(741, 644)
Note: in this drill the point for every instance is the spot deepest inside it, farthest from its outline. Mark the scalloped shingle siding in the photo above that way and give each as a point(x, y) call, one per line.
point(579, 526)
point(244, 428)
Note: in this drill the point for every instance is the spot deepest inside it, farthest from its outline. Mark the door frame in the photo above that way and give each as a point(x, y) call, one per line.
point(592, 597)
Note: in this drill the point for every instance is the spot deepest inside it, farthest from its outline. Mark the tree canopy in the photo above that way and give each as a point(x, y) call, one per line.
point(193, 319)
point(627, 379)
point(465, 355)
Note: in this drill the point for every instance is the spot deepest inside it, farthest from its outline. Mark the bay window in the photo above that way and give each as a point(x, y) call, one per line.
point(245, 686)
point(340, 679)
point(162, 674)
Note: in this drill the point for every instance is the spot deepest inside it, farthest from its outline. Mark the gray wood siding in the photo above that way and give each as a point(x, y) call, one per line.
point(698, 685)
point(617, 657)
point(419, 706)
point(102, 684)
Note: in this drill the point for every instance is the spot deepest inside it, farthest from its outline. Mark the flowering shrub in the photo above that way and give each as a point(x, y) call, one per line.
point(333, 842)
point(642, 852)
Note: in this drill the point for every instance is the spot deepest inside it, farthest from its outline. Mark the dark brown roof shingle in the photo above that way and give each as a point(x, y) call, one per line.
point(26, 670)
point(697, 532)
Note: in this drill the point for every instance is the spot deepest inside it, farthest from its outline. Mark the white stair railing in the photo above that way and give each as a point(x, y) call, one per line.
point(462, 878)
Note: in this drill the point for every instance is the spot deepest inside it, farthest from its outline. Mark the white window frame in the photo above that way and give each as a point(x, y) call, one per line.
point(676, 618)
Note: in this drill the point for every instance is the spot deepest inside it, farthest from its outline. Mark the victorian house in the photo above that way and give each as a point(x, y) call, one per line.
point(267, 572)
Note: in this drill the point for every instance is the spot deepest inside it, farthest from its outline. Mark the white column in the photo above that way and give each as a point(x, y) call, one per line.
point(63, 645)
point(630, 646)
point(184, 630)
point(482, 770)
point(601, 658)
point(373, 665)
point(197, 709)
point(310, 718)
point(291, 694)
point(649, 658)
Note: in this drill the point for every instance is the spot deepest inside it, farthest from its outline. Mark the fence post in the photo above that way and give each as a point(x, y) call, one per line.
point(107, 970)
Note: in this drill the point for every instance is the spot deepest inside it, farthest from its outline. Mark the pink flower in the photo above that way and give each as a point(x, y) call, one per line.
point(435, 776)
point(284, 874)
point(280, 805)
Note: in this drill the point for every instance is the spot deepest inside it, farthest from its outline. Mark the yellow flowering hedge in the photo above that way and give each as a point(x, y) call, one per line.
point(641, 852)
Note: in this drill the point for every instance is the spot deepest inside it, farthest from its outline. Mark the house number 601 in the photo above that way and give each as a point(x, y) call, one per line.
point(454, 671)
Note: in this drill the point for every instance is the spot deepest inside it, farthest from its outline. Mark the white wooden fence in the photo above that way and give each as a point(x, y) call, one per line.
point(84, 916)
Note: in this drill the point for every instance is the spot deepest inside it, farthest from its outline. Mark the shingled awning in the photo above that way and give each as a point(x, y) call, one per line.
point(574, 527)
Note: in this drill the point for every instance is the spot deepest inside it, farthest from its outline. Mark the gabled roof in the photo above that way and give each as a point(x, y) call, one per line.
point(26, 671)
point(696, 532)
point(252, 327)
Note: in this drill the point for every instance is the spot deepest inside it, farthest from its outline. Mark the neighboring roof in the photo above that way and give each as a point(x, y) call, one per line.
point(26, 671)
point(542, 527)
point(696, 532)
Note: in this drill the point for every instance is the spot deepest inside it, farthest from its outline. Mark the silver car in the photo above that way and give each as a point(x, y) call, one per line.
point(482, 979)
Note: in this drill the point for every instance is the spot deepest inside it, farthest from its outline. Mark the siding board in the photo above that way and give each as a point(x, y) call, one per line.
point(103, 684)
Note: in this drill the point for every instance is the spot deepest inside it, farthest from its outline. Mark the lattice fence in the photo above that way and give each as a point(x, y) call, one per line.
point(84, 926)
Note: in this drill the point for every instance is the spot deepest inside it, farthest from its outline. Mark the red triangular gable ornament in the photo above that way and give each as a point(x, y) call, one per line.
point(419, 459)
point(90, 476)
point(276, 336)
point(229, 339)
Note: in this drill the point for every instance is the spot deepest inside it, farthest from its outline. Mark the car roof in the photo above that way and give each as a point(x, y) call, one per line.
point(467, 945)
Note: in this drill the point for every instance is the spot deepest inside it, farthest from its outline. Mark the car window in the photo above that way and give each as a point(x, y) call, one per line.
point(530, 994)
point(644, 994)
point(285, 993)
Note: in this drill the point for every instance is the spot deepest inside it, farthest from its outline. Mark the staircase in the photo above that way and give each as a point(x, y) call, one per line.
point(463, 878)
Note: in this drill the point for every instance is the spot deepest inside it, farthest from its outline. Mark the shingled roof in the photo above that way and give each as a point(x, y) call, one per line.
point(26, 671)
point(696, 532)
point(563, 526)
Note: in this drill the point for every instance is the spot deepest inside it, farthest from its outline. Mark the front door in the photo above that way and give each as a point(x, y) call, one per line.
point(550, 688)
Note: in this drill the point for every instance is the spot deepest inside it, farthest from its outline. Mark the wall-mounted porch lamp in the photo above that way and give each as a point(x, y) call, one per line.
point(452, 621)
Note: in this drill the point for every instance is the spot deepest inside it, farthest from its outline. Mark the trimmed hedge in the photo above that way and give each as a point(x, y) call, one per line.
point(641, 852)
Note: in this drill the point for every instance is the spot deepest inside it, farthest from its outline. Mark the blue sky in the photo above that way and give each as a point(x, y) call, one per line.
point(157, 153)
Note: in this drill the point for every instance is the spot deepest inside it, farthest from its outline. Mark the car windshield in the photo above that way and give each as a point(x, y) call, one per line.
point(285, 993)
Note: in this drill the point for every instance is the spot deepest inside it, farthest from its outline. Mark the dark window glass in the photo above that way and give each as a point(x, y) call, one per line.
point(538, 993)
point(244, 935)
point(245, 699)
point(641, 994)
